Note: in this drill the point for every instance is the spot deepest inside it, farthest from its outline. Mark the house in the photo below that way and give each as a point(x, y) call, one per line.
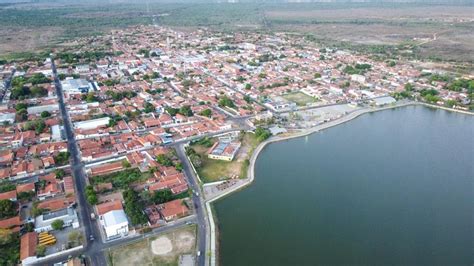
point(13, 223)
point(28, 244)
point(28, 187)
point(173, 209)
point(106, 168)
point(115, 224)
point(9, 195)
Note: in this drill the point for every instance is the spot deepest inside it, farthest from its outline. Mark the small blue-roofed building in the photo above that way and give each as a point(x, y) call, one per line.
point(224, 150)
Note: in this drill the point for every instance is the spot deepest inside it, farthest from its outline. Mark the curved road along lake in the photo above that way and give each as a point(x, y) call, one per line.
point(391, 187)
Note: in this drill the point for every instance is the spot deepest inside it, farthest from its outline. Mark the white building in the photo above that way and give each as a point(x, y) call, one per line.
point(7, 117)
point(44, 221)
point(76, 86)
point(115, 223)
point(41, 108)
point(93, 123)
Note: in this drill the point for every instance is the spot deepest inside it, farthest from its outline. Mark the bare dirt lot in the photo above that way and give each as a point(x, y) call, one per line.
point(160, 250)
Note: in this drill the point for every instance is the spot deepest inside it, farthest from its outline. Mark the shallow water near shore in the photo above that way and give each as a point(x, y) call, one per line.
point(391, 187)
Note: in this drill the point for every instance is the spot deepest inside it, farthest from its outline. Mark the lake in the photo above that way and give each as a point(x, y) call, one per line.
point(391, 187)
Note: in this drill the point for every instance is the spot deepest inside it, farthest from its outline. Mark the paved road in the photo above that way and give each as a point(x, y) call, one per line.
point(198, 204)
point(7, 83)
point(92, 248)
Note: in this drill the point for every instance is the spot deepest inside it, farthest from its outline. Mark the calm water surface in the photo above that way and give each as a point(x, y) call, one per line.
point(393, 187)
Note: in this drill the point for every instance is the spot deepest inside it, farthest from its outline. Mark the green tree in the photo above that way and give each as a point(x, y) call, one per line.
point(57, 224)
point(45, 114)
point(7, 209)
point(148, 107)
point(60, 173)
point(91, 195)
point(206, 112)
point(40, 251)
point(186, 110)
point(226, 101)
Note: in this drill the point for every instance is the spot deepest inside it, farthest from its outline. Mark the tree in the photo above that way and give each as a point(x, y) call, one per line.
point(248, 86)
point(126, 164)
point(171, 111)
point(75, 238)
point(262, 134)
point(57, 224)
point(62, 158)
point(40, 251)
point(162, 196)
point(179, 167)
point(164, 160)
point(317, 75)
point(186, 110)
point(409, 87)
point(7, 209)
point(206, 112)
point(148, 107)
point(91, 195)
point(20, 106)
point(225, 101)
point(247, 99)
point(133, 207)
point(60, 173)
point(45, 114)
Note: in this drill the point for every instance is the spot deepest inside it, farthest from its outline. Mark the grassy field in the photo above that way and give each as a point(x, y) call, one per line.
point(215, 170)
point(158, 250)
point(299, 98)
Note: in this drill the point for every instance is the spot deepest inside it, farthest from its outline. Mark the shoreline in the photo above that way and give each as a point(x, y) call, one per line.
point(253, 158)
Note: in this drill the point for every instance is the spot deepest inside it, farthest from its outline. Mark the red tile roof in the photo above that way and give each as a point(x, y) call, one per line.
point(8, 195)
point(25, 187)
point(108, 206)
point(11, 223)
point(173, 209)
point(28, 245)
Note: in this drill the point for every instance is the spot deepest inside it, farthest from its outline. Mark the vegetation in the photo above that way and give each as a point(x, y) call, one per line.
point(57, 224)
point(26, 195)
point(6, 186)
point(120, 179)
point(206, 112)
point(9, 247)
point(62, 158)
point(262, 134)
point(461, 84)
point(37, 125)
point(91, 195)
point(45, 114)
point(119, 95)
point(60, 173)
point(226, 102)
point(359, 69)
point(40, 251)
point(7, 209)
point(164, 159)
point(148, 107)
point(133, 207)
point(21, 91)
point(90, 97)
point(75, 239)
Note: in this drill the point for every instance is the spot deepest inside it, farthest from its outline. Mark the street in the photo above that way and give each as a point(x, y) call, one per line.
point(91, 248)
